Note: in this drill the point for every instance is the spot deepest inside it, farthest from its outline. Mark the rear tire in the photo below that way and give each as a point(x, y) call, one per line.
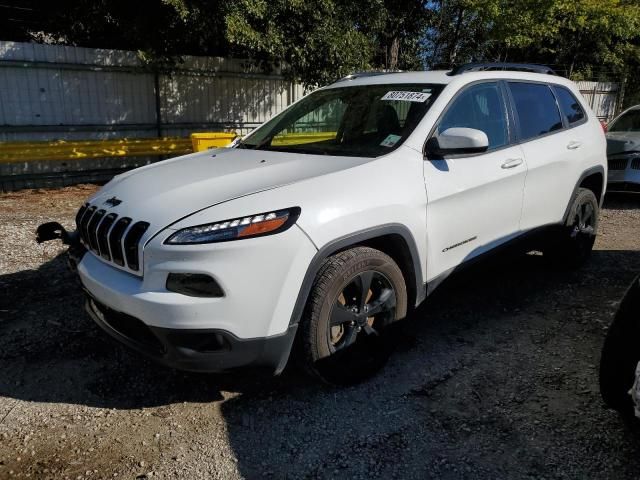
point(572, 246)
point(356, 295)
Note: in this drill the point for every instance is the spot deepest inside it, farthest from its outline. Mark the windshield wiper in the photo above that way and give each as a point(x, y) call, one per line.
point(258, 146)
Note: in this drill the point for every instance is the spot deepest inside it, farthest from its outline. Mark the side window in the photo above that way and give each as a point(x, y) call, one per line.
point(569, 105)
point(537, 109)
point(480, 107)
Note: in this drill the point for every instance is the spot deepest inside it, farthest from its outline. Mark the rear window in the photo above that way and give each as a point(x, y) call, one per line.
point(537, 109)
point(569, 105)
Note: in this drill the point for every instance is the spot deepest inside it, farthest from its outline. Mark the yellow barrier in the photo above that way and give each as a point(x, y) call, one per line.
point(86, 149)
point(206, 140)
point(78, 150)
point(302, 138)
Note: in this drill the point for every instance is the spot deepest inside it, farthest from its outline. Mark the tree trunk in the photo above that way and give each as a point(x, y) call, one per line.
point(394, 53)
point(435, 59)
point(453, 50)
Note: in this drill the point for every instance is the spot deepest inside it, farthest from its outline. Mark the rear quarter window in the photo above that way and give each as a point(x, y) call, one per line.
point(569, 104)
point(537, 109)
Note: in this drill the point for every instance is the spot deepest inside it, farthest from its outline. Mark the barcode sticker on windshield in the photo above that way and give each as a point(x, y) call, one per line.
point(406, 96)
point(390, 141)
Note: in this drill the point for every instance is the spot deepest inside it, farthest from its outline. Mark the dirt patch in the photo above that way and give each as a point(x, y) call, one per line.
point(494, 377)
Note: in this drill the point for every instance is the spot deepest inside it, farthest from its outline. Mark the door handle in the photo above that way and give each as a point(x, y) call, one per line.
point(574, 145)
point(512, 162)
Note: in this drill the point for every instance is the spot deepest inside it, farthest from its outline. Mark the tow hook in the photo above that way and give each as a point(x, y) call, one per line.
point(54, 231)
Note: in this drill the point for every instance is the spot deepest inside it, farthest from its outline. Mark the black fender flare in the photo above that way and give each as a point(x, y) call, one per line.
point(353, 239)
point(588, 172)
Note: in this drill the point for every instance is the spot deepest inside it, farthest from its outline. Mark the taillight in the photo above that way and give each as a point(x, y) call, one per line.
point(605, 127)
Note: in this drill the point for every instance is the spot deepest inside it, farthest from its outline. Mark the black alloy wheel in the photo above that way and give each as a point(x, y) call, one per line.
point(366, 303)
point(344, 336)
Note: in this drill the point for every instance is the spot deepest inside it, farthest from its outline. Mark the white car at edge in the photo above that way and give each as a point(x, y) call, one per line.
point(339, 215)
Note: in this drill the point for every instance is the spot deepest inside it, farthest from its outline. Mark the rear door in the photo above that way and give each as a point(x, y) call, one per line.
point(550, 150)
point(474, 201)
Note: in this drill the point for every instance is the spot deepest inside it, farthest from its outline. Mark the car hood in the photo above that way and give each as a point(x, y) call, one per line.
point(167, 191)
point(620, 142)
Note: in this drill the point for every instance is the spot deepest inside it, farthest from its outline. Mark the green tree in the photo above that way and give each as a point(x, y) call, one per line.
point(577, 36)
point(319, 40)
point(322, 40)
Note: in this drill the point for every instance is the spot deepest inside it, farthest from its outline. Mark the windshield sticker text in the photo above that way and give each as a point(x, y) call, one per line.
point(406, 96)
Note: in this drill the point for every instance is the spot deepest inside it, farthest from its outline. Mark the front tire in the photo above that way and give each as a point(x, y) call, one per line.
point(572, 246)
point(356, 295)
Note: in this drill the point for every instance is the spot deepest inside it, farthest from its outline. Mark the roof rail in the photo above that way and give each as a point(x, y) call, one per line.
point(519, 67)
point(355, 75)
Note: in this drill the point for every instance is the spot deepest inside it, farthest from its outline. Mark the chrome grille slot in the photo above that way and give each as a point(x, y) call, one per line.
point(92, 228)
point(79, 219)
point(101, 234)
point(635, 163)
point(83, 209)
point(115, 240)
point(84, 224)
point(131, 244)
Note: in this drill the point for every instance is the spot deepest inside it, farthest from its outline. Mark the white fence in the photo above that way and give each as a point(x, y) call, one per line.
point(50, 92)
point(602, 97)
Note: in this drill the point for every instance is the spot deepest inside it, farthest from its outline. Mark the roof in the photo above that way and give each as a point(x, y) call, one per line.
point(377, 78)
point(443, 77)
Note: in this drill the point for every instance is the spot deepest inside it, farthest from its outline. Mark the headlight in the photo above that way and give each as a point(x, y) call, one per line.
point(238, 228)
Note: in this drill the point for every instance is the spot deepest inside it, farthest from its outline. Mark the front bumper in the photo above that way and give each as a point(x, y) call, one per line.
point(248, 326)
point(202, 350)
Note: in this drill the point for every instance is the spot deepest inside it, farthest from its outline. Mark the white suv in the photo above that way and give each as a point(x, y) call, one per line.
point(333, 219)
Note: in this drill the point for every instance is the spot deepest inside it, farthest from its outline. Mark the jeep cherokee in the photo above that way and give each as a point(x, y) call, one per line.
point(330, 221)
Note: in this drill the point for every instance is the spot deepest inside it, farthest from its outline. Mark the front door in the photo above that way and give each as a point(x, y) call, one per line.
point(473, 201)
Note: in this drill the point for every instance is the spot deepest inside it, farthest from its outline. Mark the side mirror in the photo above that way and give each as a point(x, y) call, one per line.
point(457, 140)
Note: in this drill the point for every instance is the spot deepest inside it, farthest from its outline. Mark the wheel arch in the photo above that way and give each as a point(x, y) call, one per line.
point(594, 179)
point(394, 240)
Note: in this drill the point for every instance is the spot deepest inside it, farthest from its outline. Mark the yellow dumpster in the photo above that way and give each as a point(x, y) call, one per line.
point(206, 140)
point(302, 138)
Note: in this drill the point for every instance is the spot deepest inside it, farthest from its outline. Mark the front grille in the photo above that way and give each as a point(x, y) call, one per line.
point(635, 163)
point(114, 239)
point(617, 163)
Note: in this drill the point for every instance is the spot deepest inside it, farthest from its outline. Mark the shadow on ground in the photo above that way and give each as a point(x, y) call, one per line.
point(495, 376)
point(50, 351)
point(622, 201)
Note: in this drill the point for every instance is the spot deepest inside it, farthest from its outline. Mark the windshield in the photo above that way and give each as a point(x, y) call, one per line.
point(629, 122)
point(364, 120)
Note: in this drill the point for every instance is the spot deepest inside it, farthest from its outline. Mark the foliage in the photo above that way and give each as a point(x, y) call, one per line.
point(575, 36)
point(321, 40)
point(318, 40)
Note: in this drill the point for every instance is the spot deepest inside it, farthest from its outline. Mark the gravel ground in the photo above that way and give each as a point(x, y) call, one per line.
point(495, 377)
